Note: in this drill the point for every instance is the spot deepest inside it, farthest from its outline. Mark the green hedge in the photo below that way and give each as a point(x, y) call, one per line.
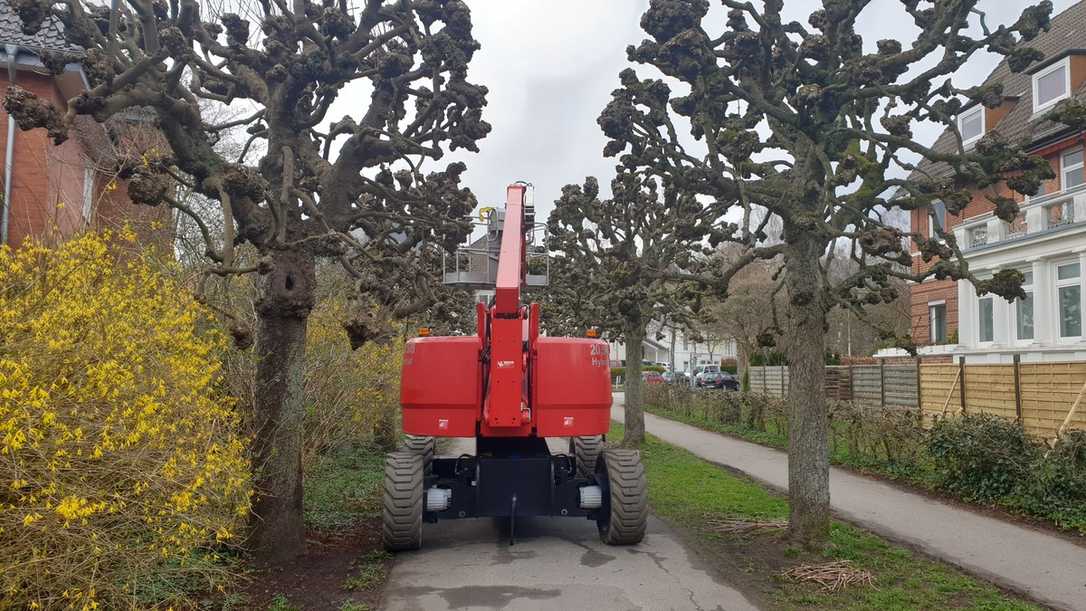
point(978, 458)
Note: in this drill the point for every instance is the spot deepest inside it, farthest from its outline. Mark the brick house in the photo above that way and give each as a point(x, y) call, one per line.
point(53, 191)
point(1048, 240)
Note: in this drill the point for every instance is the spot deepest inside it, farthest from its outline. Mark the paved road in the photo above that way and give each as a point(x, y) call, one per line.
point(557, 564)
point(1045, 567)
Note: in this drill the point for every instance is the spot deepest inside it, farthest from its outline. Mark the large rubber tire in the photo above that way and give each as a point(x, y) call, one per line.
point(586, 452)
point(423, 446)
point(402, 502)
point(625, 510)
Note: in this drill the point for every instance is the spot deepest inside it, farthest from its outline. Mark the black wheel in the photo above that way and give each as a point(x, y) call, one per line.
point(585, 452)
point(402, 503)
point(625, 508)
point(423, 446)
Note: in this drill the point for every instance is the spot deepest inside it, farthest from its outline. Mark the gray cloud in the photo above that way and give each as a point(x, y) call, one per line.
point(552, 65)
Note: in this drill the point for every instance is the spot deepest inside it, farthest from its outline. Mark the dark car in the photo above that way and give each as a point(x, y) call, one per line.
point(723, 381)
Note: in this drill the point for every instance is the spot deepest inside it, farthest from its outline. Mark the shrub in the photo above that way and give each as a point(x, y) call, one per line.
point(121, 468)
point(1057, 488)
point(351, 396)
point(981, 457)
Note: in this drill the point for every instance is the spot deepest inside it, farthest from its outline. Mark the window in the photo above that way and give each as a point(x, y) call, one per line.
point(1062, 213)
point(937, 214)
point(985, 317)
point(978, 236)
point(937, 322)
point(1023, 310)
point(971, 125)
point(1069, 294)
point(1072, 169)
point(1051, 85)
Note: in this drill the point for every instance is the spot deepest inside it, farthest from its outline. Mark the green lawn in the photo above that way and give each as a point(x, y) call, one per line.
point(688, 492)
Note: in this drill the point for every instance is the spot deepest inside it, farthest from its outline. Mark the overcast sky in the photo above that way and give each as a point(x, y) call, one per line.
point(551, 66)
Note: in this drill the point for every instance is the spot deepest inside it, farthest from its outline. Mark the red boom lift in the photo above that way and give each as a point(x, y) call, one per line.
point(510, 388)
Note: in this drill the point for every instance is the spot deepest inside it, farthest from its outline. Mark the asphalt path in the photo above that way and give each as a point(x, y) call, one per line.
point(1044, 566)
point(558, 564)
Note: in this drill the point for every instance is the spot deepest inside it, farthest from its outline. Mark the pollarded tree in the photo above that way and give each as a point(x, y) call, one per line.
point(352, 191)
point(812, 125)
point(606, 248)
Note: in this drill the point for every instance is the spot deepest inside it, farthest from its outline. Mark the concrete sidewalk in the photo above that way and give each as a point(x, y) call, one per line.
point(1042, 566)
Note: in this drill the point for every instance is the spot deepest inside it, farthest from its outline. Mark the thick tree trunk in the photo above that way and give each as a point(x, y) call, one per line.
point(278, 532)
point(635, 414)
point(808, 449)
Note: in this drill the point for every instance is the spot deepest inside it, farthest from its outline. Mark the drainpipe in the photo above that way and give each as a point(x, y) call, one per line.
point(9, 150)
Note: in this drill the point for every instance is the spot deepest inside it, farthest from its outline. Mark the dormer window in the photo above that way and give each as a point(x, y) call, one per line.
point(1052, 85)
point(971, 125)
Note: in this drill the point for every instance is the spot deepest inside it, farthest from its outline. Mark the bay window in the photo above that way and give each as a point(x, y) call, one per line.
point(986, 315)
point(1069, 300)
point(1023, 310)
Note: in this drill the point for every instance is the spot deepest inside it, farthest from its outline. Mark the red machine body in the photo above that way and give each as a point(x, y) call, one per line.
point(507, 380)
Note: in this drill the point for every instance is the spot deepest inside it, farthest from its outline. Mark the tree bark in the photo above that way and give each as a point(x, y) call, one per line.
point(742, 363)
point(277, 531)
point(808, 448)
point(634, 409)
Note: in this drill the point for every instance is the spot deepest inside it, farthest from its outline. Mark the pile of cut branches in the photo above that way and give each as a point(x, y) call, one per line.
point(832, 576)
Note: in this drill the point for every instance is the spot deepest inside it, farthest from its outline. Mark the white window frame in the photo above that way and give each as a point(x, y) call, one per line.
point(1058, 284)
point(1064, 63)
point(931, 323)
point(1028, 288)
point(979, 109)
point(88, 193)
point(986, 342)
point(931, 217)
point(1064, 169)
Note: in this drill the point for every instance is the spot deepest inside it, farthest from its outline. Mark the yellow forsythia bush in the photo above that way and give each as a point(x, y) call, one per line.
point(121, 468)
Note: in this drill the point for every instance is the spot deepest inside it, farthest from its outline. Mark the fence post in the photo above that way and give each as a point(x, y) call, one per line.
point(851, 394)
point(1018, 388)
point(961, 381)
point(919, 403)
point(782, 369)
point(882, 382)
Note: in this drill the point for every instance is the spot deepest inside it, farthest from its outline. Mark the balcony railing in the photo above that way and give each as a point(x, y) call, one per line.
point(1045, 213)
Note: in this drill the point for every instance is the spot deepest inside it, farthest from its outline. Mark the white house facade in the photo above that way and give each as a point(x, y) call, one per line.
point(689, 354)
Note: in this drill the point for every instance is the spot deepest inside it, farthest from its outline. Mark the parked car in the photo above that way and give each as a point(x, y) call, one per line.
point(652, 377)
point(723, 381)
point(705, 370)
point(675, 377)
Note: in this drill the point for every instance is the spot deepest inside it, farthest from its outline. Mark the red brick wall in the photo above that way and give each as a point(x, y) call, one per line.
point(922, 294)
point(43, 175)
point(934, 290)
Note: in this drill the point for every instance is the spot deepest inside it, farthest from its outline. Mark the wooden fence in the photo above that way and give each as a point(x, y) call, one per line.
point(1039, 396)
point(877, 385)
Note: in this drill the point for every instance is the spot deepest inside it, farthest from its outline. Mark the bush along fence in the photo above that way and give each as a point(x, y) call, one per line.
point(977, 457)
point(1044, 399)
